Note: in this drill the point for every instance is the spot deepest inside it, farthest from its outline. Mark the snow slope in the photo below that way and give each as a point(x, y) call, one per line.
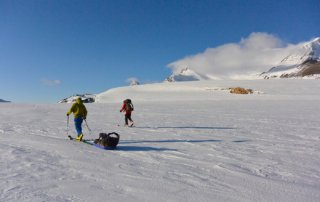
point(208, 91)
point(192, 142)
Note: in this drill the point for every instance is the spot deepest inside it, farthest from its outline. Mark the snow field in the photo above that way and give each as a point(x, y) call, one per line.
point(260, 147)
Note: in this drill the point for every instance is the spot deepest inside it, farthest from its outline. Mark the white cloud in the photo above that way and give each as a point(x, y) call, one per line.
point(49, 82)
point(252, 55)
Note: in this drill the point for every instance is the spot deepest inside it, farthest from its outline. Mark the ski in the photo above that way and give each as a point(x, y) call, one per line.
point(73, 138)
point(91, 142)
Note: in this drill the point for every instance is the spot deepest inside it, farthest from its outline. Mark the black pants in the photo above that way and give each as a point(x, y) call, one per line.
point(127, 117)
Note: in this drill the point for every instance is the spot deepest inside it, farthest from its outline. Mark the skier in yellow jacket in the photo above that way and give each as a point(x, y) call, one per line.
point(80, 113)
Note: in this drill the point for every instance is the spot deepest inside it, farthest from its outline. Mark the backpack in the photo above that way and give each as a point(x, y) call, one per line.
point(128, 105)
point(108, 140)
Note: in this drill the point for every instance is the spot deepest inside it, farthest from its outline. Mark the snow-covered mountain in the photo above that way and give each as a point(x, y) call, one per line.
point(1, 100)
point(186, 74)
point(134, 83)
point(86, 98)
point(304, 62)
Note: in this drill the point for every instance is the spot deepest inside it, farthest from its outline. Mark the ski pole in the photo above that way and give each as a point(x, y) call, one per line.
point(88, 126)
point(68, 126)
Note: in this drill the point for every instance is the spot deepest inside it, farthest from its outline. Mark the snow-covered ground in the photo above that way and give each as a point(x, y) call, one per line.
point(192, 142)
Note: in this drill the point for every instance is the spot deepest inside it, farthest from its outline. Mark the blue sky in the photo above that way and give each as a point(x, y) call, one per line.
point(51, 49)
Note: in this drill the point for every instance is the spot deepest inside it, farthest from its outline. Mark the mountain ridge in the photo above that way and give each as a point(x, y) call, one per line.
point(305, 62)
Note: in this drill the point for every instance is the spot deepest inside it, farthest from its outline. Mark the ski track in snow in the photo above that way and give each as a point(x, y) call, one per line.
point(221, 150)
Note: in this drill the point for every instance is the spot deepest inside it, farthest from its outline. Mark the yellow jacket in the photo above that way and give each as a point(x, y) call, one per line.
point(78, 109)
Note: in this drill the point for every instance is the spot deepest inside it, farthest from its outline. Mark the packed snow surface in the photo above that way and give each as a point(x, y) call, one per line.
point(192, 142)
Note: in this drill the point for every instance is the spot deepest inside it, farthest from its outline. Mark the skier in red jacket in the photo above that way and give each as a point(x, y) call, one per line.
point(127, 107)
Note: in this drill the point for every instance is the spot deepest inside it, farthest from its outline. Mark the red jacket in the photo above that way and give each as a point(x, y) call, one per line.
point(123, 109)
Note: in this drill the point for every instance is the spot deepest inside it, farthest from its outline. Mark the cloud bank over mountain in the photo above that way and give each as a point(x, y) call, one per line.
point(251, 56)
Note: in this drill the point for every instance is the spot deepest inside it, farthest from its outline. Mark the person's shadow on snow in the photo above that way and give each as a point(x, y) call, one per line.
point(142, 148)
point(186, 127)
point(147, 148)
point(167, 141)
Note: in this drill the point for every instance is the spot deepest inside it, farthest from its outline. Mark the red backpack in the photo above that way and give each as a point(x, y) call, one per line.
point(128, 105)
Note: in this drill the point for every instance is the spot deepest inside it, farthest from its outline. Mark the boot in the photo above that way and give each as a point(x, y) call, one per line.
point(79, 137)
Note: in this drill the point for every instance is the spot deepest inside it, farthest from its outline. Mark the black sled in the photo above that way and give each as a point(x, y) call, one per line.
point(107, 140)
